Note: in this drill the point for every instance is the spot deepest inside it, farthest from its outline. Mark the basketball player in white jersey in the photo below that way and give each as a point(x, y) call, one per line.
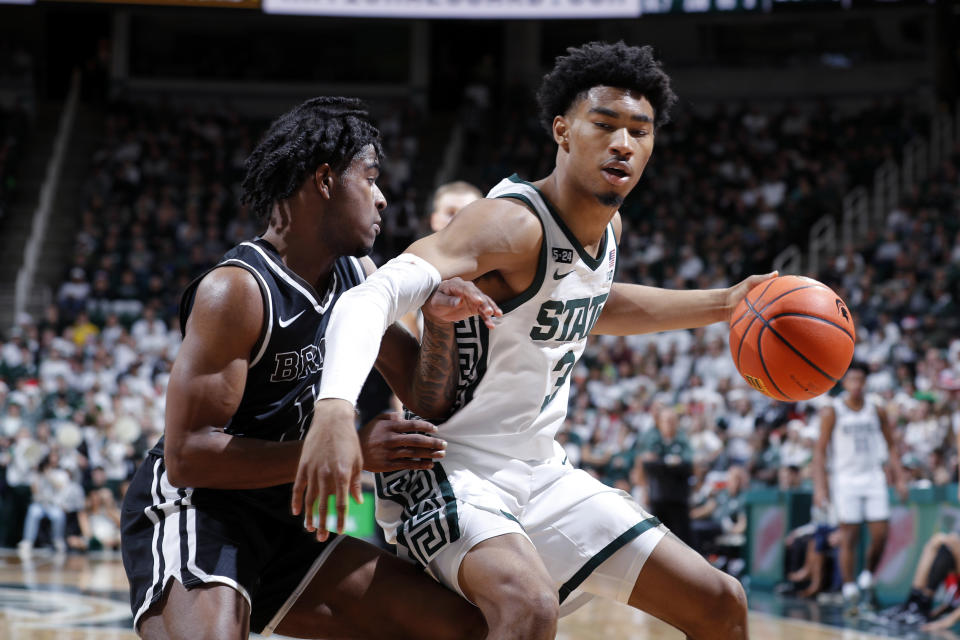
point(853, 431)
point(505, 519)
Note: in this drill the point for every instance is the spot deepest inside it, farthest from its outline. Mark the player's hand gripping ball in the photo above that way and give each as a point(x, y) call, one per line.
point(792, 338)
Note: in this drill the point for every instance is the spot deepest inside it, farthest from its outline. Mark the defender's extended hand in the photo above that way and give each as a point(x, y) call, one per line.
point(330, 464)
point(457, 299)
point(389, 445)
point(737, 292)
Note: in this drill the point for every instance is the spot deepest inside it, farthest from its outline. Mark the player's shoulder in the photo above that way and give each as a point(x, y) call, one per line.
point(229, 296)
point(502, 217)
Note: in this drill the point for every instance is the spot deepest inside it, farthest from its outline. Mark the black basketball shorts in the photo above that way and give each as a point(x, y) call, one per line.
point(204, 536)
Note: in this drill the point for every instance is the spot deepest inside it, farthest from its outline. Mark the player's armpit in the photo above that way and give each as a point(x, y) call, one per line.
point(206, 387)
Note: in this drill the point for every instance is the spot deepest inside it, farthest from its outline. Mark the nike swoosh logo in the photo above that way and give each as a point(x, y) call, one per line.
point(286, 323)
point(560, 276)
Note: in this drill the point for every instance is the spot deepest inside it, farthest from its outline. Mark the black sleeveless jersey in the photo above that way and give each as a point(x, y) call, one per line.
point(286, 363)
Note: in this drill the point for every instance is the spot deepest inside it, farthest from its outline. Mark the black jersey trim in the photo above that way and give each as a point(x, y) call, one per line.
point(592, 262)
point(537, 283)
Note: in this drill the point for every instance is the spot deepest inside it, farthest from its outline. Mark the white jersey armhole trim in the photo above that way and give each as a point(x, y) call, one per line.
point(361, 272)
point(269, 310)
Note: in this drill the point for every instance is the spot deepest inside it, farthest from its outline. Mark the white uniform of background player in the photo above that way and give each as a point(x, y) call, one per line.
point(504, 472)
point(854, 444)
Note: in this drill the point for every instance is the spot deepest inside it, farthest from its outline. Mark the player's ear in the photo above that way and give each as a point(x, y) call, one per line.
point(323, 180)
point(561, 132)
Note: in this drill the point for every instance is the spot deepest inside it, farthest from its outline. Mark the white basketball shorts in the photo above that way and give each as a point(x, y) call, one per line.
point(593, 539)
point(860, 499)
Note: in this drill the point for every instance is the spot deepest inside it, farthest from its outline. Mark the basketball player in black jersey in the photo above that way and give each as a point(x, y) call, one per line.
point(209, 543)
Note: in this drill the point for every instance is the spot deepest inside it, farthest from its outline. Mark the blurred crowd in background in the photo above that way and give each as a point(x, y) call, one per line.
point(666, 417)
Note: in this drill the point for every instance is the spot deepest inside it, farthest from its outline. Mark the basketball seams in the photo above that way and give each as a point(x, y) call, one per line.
point(760, 355)
point(760, 297)
point(764, 364)
point(812, 317)
point(766, 324)
point(758, 314)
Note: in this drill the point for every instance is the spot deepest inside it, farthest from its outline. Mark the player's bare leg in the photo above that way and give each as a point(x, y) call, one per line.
point(506, 578)
point(363, 592)
point(929, 553)
point(849, 534)
point(681, 588)
point(878, 540)
point(209, 612)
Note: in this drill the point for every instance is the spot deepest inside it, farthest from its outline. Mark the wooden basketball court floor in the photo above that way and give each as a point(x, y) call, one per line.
point(85, 598)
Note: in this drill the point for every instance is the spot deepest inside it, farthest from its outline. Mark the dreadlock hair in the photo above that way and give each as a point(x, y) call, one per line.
point(613, 65)
point(328, 130)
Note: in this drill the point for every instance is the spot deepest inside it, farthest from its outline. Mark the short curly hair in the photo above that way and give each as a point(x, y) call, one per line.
point(603, 64)
point(330, 130)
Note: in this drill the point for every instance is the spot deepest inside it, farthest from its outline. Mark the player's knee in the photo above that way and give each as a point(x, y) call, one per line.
point(530, 610)
point(727, 603)
point(732, 601)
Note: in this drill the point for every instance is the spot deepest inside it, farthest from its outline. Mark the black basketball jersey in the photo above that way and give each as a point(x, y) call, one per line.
point(286, 363)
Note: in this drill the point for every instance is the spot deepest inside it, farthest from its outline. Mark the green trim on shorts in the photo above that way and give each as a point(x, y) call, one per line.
point(623, 540)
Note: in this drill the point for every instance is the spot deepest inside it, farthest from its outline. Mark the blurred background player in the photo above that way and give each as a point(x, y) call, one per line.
point(855, 441)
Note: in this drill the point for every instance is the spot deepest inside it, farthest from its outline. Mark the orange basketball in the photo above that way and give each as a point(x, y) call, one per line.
point(792, 338)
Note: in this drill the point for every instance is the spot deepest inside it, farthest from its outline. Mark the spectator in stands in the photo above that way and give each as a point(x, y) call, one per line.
point(73, 293)
point(722, 518)
point(939, 558)
point(664, 468)
point(50, 493)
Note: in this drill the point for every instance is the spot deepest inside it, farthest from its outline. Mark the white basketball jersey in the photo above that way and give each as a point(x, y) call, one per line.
point(515, 379)
point(857, 448)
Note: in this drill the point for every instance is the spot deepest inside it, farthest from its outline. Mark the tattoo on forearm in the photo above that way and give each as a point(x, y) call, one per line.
point(434, 384)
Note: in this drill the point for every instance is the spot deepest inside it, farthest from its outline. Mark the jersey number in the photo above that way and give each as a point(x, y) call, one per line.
point(564, 366)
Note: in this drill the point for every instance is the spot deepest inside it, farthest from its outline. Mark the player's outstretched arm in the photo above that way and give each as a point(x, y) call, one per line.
point(469, 247)
point(206, 386)
point(633, 308)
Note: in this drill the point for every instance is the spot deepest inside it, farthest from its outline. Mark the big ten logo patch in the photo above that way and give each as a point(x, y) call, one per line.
point(293, 365)
point(562, 255)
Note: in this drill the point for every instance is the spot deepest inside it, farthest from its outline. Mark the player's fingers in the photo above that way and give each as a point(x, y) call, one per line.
point(356, 490)
point(343, 484)
point(296, 498)
point(418, 440)
point(414, 452)
point(309, 499)
point(421, 426)
point(485, 304)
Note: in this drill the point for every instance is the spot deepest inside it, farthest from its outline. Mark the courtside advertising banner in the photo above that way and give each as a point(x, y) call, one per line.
point(465, 9)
